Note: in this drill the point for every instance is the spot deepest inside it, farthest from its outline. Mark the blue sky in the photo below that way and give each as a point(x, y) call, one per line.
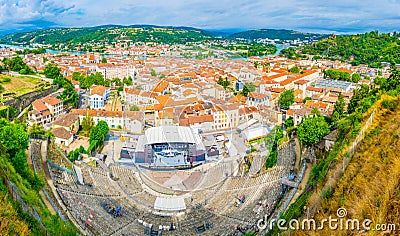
point(338, 16)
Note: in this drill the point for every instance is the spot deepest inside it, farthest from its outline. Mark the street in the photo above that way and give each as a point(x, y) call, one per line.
point(83, 99)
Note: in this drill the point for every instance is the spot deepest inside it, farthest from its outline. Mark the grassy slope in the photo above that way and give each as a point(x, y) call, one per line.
point(19, 85)
point(370, 186)
point(10, 221)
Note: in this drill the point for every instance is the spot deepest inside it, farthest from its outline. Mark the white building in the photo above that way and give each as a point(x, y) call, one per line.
point(130, 121)
point(98, 96)
point(111, 71)
point(257, 99)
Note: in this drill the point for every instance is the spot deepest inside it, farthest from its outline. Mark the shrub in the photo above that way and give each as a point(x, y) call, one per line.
point(389, 104)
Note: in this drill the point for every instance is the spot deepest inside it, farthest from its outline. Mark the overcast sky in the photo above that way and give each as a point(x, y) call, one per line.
point(340, 16)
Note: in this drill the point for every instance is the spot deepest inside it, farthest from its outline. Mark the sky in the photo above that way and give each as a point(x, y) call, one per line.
point(335, 16)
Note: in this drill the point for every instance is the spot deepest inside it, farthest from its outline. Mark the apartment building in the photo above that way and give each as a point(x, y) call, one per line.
point(45, 110)
point(111, 71)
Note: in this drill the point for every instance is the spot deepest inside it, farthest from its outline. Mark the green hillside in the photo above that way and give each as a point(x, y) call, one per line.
point(370, 48)
point(108, 34)
point(370, 187)
point(276, 34)
point(16, 171)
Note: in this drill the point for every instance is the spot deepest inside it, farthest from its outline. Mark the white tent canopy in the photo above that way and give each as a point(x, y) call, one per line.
point(169, 204)
point(256, 132)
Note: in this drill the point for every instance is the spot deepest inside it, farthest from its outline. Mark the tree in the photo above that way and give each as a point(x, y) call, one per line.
point(295, 69)
point(103, 126)
point(312, 130)
point(69, 95)
point(286, 98)
point(134, 108)
point(247, 88)
point(17, 64)
point(306, 99)
point(103, 60)
point(265, 65)
point(98, 78)
point(337, 74)
point(315, 112)
point(355, 77)
point(99, 132)
point(37, 129)
point(220, 81)
point(358, 95)
point(256, 64)
point(128, 81)
point(52, 71)
point(335, 119)
point(13, 137)
point(153, 72)
point(226, 83)
point(289, 122)
point(272, 142)
point(107, 82)
point(339, 105)
point(87, 124)
point(223, 82)
point(393, 82)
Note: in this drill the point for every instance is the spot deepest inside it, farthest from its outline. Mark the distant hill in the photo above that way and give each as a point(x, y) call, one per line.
point(109, 34)
point(280, 34)
point(145, 33)
point(369, 48)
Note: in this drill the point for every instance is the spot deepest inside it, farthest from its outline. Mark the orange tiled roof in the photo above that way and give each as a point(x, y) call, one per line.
point(132, 91)
point(160, 86)
point(158, 107)
point(279, 75)
point(301, 82)
point(310, 88)
point(287, 81)
point(163, 99)
point(39, 105)
point(51, 100)
point(256, 95)
point(278, 90)
point(97, 89)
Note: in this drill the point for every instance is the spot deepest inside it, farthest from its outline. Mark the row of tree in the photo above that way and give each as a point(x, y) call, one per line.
point(86, 81)
point(16, 64)
point(342, 75)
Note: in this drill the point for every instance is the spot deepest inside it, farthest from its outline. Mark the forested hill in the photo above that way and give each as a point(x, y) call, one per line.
point(109, 34)
point(144, 33)
point(370, 48)
point(280, 34)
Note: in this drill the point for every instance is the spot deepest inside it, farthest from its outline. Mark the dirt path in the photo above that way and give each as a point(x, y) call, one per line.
point(303, 183)
point(29, 160)
point(49, 206)
point(298, 155)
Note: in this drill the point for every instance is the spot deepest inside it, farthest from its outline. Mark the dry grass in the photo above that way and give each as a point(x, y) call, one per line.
point(370, 186)
point(10, 223)
point(19, 85)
